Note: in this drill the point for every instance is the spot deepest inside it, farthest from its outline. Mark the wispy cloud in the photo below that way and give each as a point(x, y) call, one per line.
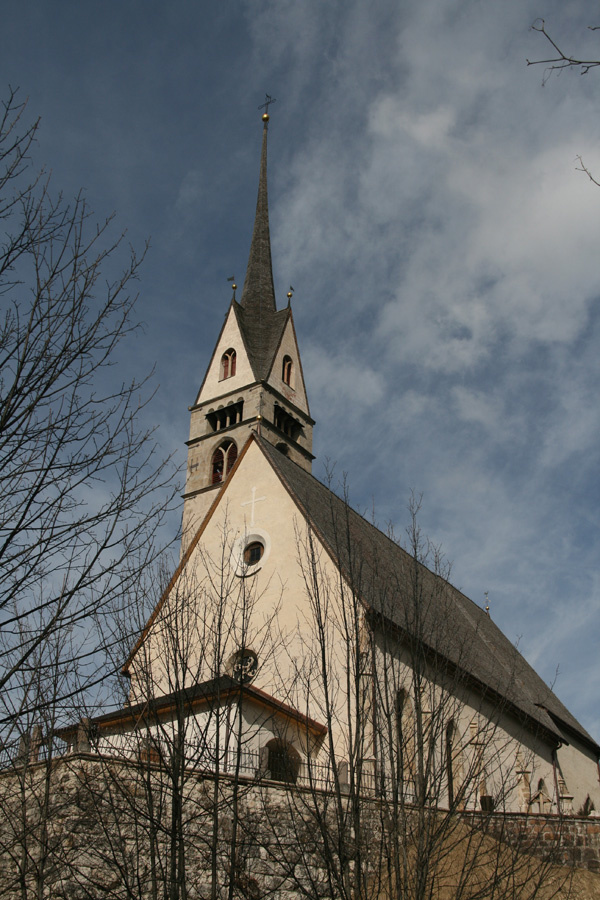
point(426, 206)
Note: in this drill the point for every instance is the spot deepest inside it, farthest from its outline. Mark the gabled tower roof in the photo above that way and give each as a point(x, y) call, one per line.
point(261, 337)
point(260, 323)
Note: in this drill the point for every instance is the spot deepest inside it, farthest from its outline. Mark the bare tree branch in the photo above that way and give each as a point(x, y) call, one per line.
point(562, 60)
point(83, 488)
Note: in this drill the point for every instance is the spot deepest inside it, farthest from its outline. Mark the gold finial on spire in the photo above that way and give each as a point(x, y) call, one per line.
point(233, 285)
point(487, 602)
point(265, 106)
point(289, 294)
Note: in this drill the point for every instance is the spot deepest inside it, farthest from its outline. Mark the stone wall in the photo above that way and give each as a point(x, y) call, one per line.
point(567, 840)
point(83, 827)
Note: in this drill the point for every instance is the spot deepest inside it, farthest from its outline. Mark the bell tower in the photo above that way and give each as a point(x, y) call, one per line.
point(253, 382)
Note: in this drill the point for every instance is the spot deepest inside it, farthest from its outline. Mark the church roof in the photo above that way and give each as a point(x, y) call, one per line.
point(418, 603)
point(259, 321)
point(214, 691)
point(258, 293)
point(262, 335)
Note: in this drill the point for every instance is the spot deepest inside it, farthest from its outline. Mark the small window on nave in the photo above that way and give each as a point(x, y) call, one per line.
point(223, 461)
point(286, 371)
point(405, 740)
point(450, 750)
point(228, 364)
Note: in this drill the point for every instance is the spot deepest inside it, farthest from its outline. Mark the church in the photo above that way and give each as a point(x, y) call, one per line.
point(297, 644)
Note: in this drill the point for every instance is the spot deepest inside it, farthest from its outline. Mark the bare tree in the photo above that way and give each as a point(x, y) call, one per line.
point(420, 768)
point(398, 797)
point(168, 772)
point(557, 63)
point(83, 490)
point(28, 803)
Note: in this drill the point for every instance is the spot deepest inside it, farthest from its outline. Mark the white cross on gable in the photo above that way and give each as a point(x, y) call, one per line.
point(251, 503)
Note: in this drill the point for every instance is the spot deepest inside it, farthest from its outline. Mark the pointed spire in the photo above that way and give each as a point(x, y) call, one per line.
point(258, 294)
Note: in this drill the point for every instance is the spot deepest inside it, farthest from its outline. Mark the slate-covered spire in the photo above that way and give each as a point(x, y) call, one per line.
point(258, 294)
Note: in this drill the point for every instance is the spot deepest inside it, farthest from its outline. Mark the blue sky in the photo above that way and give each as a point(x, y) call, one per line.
point(425, 205)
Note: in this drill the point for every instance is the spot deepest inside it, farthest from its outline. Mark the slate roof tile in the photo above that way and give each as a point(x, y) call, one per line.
point(385, 577)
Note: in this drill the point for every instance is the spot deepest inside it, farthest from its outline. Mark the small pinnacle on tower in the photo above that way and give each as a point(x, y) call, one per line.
point(233, 285)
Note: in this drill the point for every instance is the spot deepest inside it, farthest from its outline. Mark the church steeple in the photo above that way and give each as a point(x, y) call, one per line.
point(258, 294)
point(254, 381)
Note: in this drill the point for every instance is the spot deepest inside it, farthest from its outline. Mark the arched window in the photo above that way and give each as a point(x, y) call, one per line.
point(231, 456)
point(223, 460)
point(225, 416)
point(286, 370)
point(228, 364)
point(405, 738)
point(283, 761)
point(450, 762)
point(486, 800)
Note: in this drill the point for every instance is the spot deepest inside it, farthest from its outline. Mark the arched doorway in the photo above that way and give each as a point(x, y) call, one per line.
point(282, 761)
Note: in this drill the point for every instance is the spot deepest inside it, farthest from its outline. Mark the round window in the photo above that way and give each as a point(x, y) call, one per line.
point(253, 553)
point(249, 552)
point(244, 666)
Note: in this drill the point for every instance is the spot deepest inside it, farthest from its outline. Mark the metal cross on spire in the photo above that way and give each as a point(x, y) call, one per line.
point(267, 103)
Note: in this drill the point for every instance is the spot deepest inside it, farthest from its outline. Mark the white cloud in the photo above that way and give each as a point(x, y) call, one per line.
point(346, 389)
point(426, 207)
point(439, 208)
point(430, 130)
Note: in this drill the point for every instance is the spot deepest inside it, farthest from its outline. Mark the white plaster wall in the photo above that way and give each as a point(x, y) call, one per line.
point(579, 769)
point(510, 751)
point(280, 627)
point(207, 734)
point(213, 385)
point(273, 598)
point(296, 393)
